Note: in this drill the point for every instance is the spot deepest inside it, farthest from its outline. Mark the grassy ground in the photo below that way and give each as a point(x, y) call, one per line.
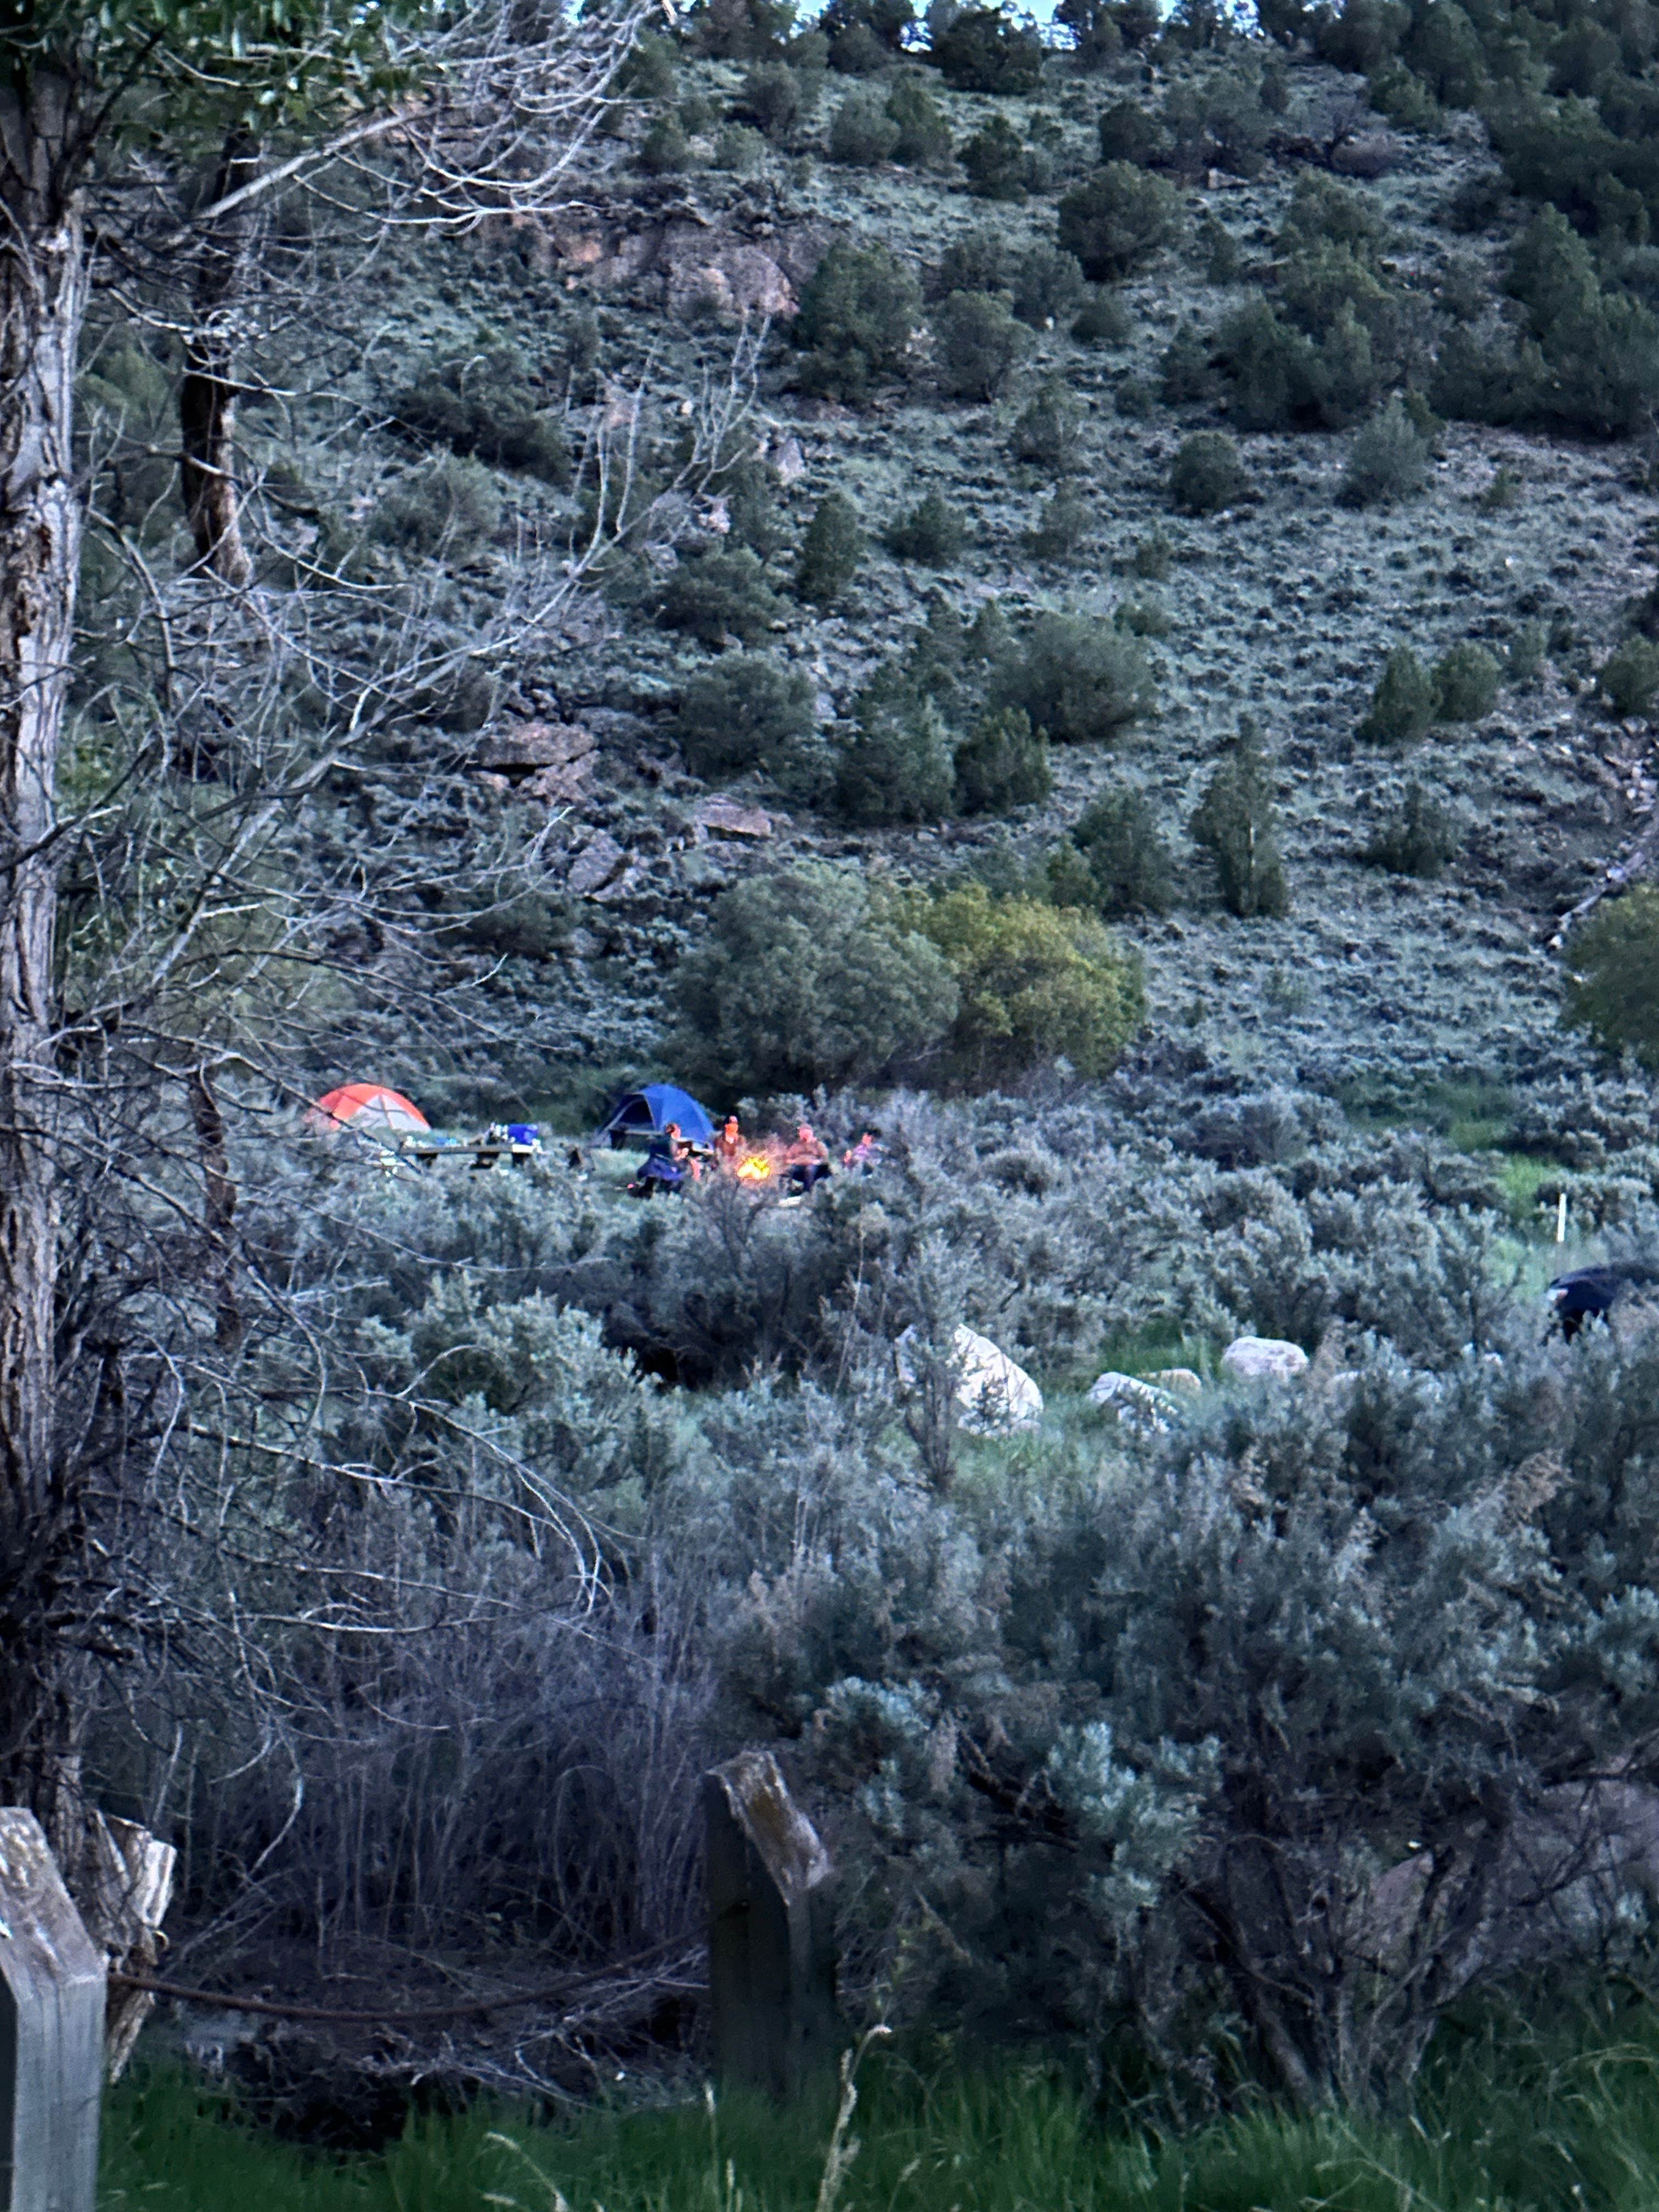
point(1510, 2119)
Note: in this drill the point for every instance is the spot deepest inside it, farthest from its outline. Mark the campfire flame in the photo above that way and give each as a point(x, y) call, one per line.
point(754, 1167)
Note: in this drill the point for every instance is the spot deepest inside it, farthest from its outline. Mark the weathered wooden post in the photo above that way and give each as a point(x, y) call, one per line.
point(51, 2031)
point(771, 1931)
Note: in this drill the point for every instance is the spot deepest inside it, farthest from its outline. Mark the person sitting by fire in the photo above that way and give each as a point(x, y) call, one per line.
point(863, 1157)
point(806, 1161)
point(668, 1162)
point(729, 1147)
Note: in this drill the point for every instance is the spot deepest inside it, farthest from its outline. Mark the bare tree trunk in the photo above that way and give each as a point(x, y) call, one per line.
point(218, 1209)
point(207, 397)
point(43, 274)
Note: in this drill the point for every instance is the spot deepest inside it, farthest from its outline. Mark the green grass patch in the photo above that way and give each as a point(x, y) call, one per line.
point(1508, 2118)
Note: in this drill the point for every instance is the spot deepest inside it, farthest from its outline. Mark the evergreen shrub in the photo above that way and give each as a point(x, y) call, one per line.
point(1152, 557)
point(1129, 863)
point(858, 313)
point(863, 133)
point(664, 149)
point(1102, 319)
point(1003, 763)
point(1629, 678)
point(1402, 705)
point(1185, 371)
point(977, 345)
point(1081, 679)
point(1465, 684)
point(1046, 434)
point(718, 594)
point(743, 712)
point(931, 533)
point(741, 150)
point(995, 161)
point(1061, 526)
point(1387, 460)
point(484, 405)
point(1419, 840)
point(895, 765)
point(451, 504)
point(924, 140)
point(771, 99)
point(1207, 474)
point(1047, 286)
point(1130, 132)
point(1235, 824)
point(974, 261)
point(983, 50)
point(831, 551)
point(1118, 220)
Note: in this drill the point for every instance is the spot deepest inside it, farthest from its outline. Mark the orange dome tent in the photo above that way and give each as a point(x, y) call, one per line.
point(370, 1107)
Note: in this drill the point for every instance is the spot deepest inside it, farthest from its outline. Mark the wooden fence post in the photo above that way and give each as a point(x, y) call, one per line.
point(51, 2031)
point(771, 1931)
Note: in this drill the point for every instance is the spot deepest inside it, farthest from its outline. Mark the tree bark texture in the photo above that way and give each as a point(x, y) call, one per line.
point(43, 280)
point(207, 397)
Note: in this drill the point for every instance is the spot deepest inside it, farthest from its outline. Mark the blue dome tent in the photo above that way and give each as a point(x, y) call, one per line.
point(645, 1114)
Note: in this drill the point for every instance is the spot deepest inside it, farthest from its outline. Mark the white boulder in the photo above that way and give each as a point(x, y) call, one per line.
point(995, 1396)
point(1138, 1406)
point(1264, 1358)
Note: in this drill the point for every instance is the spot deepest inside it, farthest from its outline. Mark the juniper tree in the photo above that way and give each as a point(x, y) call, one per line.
point(1234, 824)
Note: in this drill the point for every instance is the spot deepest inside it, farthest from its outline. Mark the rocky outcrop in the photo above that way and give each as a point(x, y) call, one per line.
point(1264, 1359)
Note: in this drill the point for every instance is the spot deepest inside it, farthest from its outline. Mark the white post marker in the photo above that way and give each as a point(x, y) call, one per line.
point(51, 2031)
point(1561, 1218)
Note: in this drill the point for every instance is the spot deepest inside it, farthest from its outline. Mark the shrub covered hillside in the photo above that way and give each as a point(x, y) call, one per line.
point(1089, 606)
point(1133, 390)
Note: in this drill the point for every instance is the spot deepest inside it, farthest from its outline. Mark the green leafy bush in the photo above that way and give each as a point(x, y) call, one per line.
point(743, 712)
point(799, 983)
point(831, 551)
point(1465, 684)
point(1217, 123)
point(649, 71)
point(1118, 220)
point(1096, 38)
point(1081, 680)
point(856, 317)
point(1418, 840)
point(718, 594)
point(1035, 984)
point(887, 21)
point(1048, 285)
point(1045, 435)
point(994, 162)
point(1612, 975)
point(1130, 868)
point(1219, 252)
point(1402, 705)
point(982, 50)
point(750, 489)
point(863, 132)
point(1235, 824)
point(1387, 460)
point(931, 533)
point(1002, 763)
point(977, 345)
point(1629, 678)
point(924, 139)
point(483, 405)
point(1207, 474)
point(896, 766)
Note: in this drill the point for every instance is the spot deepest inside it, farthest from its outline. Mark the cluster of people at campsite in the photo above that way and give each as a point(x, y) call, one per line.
point(797, 1165)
